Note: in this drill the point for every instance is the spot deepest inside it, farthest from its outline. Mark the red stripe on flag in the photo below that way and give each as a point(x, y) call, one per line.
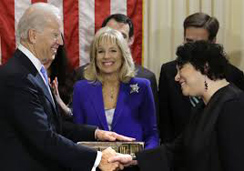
point(134, 11)
point(34, 1)
point(102, 10)
point(71, 30)
point(7, 29)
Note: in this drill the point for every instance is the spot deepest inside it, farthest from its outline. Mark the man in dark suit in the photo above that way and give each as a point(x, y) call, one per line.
point(30, 126)
point(125, 25)
point(174, 108)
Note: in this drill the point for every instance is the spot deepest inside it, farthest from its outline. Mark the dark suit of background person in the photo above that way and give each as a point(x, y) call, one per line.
point(174, 108)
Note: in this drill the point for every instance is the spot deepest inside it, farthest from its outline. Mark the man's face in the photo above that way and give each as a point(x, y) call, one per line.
point(194, 34)
point(47, 42)
point(121, 27)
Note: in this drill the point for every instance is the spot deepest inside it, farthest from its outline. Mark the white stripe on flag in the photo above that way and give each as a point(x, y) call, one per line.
point(86, 29)
point(19, 11)
point(59, 4)
point(119, 6)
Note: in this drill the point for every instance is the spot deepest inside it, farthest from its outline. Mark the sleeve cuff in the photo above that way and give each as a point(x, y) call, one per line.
point(97, 161)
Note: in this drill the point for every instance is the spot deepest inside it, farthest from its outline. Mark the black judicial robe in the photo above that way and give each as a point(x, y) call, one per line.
point(212, 141)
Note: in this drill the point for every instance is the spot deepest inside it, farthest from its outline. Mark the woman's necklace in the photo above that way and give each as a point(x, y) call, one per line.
point(110, 90)
point(112, 93)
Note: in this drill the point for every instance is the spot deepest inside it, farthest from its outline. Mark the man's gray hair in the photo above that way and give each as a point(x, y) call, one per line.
point(36, 17)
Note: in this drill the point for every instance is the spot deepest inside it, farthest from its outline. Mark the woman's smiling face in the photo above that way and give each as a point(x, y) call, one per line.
point(108, 57)
point(190, 79)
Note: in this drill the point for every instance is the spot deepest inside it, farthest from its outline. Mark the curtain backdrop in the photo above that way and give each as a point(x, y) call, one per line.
point(163, 28)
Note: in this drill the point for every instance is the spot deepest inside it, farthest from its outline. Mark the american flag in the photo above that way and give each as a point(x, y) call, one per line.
point(81, 18)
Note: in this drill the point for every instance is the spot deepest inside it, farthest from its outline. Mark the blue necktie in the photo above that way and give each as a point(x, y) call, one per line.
point(44, 73)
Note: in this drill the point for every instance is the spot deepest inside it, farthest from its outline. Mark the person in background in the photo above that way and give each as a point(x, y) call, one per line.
point(125, 25)
point(31, 130)
point(213, 139)
point(111, 97)
point(62, 80)
point(174, 108)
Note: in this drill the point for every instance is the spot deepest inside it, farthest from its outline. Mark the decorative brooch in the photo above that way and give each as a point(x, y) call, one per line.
point(134, 88)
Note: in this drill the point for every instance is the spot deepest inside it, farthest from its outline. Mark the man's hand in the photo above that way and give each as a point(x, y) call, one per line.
point(124, 159)
point(111, 136)
point(105, 165)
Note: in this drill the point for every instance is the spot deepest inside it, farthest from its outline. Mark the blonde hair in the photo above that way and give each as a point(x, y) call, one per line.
point(106, 34)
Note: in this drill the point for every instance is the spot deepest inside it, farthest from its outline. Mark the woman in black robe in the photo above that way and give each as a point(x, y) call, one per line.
point(214, 138)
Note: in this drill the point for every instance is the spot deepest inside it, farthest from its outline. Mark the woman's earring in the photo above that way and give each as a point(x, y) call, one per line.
point(205, 85)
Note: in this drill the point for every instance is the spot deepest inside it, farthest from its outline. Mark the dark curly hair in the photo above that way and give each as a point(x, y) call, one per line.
point(208, 58)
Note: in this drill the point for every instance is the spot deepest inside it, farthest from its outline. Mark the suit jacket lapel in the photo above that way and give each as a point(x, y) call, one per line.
point(40, 82)
point(97, 102)
point(44, 87)
point(34, 75)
